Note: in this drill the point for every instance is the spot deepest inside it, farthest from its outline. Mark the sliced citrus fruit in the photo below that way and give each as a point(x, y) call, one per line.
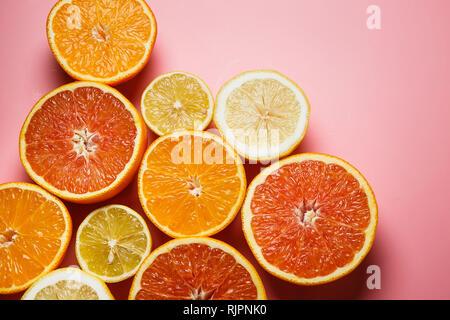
point(262, 114)
point(107, 41)
point(68, 284)
point(191, 183)
point(196, 269)
point(177, 101)
point(310, 218)
point(83, 142)
point(35, 230)
point(112, 242)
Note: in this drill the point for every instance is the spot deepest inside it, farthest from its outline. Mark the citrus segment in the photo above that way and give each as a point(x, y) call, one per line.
point(83, 142)
point(112, 242)
point(263, 114)
point(310, 218)
point(35, 230)
point(177, 101)
point(191, 184)
point(68, 284)
point(196, 269)
point(107, 41)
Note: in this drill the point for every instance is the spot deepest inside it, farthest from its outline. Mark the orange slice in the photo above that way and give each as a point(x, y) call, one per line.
point(177, 101)
point(196, 269)
point(83, 142)
point(107, 41)
point(310, 218)
point(262, 114)
point(191, 183)
point(35, 230)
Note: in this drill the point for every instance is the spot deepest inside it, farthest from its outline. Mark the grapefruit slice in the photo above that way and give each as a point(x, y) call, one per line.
point(191, 183)
point(68, 284)
point(262, 114)
point(112, 242)
point(35, 230)
point(196, 269)
point(310, 218)
point(107, 41)
point(177, 101)
point(83, 142)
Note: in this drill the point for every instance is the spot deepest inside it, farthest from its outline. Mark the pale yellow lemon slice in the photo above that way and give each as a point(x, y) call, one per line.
point(262, 114)
point(68, 284)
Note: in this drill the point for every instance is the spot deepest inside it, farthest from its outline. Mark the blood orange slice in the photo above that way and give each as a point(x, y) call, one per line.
point(83, 142)
point(310, 218)
point(196, 269)
point(35, 230)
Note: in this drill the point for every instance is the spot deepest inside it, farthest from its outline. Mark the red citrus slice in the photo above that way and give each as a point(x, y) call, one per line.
point(83, 142)
point(310, 218)
point(196, 269)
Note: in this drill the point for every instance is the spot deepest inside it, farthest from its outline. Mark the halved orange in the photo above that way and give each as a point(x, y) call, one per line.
point(310, 218)
point(83, 142)
point(35, 230)
point(191, 183)
point(107, 41)
point(196, 269)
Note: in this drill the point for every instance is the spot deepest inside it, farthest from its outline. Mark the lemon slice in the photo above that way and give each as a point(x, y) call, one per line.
point(112, 242)
point(177, 101)
point(68, 284)
point(262, 114)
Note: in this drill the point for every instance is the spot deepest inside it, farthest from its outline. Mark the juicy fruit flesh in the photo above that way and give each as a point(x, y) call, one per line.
point(263, 111)
point(101, 38)
point(176, 102)
point(113, 242)
point(67, 290)
point(30, 230)
point(309, 218)
point(196, 194)
point(80, 140)
point(196, 272)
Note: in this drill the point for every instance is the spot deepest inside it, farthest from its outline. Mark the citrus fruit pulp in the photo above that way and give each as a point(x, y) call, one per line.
point(112, 242)
point(83, 142)
point(196, 269)
point(35, 230)
point(262, 114)
point(68, 284)
point(191, 183)
point(107, 41)
point(310, 218)
point(177, 101)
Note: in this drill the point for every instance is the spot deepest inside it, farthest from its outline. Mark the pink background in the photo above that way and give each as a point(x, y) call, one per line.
point(379, 99)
